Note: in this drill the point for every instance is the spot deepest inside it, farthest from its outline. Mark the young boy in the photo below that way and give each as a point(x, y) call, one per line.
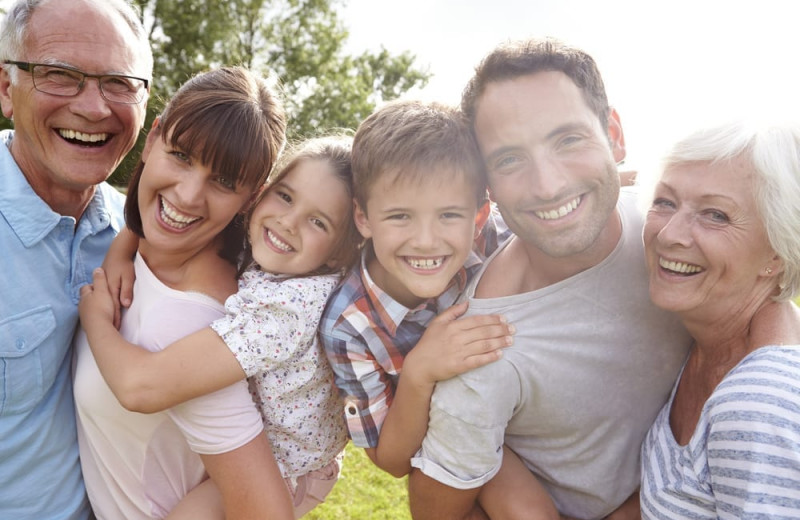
point(419, 190)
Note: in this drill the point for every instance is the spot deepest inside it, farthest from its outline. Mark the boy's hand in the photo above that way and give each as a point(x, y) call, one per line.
point(96, 305)
point(452, 346)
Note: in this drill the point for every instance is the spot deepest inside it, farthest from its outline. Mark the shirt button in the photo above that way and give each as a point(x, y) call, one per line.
point(20, 343)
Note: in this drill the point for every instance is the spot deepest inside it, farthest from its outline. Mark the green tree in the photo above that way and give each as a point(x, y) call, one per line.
point(298, 43)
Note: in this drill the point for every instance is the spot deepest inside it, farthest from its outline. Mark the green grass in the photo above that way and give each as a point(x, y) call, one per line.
point(364, 491)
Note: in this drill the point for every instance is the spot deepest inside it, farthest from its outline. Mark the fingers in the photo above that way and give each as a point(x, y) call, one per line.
point(126, 292)
point(478, 360)
point(86, 289)
point(451, 313)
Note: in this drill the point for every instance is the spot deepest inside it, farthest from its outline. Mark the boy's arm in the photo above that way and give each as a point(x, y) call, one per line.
point(429, 499)
point(250, 483)
point(118, 265)
point(449, 346)
point(145, 381)
point(513, 493)
point(629, 510)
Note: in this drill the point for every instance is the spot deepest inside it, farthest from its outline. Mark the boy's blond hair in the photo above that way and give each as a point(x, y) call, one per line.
point(411, 140)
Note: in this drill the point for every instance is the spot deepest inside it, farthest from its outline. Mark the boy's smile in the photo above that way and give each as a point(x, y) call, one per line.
point(421, 233)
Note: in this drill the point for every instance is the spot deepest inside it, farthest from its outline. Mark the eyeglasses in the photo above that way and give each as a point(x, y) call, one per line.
point(68, 82)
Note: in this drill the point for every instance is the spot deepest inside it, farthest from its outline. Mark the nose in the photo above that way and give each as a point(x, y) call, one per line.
point(191, 190)
point(90, 103)
point(547, 181)
point(677, 229)
point(288, 221)
point(425, 234)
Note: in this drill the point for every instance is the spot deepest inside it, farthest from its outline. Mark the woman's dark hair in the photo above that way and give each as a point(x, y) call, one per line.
point(230, 120)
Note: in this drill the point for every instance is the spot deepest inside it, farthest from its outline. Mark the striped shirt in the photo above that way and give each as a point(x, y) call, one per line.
point(743, 460)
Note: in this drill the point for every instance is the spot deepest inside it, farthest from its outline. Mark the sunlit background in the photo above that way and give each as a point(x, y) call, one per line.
point(669, 66)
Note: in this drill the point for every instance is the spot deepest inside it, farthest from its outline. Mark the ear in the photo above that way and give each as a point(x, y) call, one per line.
point(615, 136)
point(361, 220)
point(152, 135)
point(481, 217)
point(5, 92)
point(774, 267)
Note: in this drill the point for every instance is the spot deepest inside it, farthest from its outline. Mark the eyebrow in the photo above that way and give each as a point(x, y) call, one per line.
point(704, 196)
point(561, 129)
point(568, 127)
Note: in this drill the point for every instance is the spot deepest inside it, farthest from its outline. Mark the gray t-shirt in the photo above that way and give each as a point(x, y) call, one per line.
point(592, 363)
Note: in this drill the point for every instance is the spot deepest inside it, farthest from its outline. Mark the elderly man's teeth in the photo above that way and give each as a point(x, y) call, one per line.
point(171, 216)
point(564, 210)
point(679, 267)
point(277, 242)
point(425, 263)
point(80, 136)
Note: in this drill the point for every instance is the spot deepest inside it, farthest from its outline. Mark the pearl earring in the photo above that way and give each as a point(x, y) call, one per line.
point(769, 270)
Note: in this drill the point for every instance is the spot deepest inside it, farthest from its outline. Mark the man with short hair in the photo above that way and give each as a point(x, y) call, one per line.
point(75, 80)
point(593, 360)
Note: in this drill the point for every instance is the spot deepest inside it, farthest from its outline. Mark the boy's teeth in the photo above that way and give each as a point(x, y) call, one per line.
point(679, 267)
point(425, 263)
point(564, 210)
point(277, 242)
point(173, 218)
point(80, 136)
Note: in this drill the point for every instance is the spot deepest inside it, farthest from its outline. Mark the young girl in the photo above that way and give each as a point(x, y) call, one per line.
point(301, 237)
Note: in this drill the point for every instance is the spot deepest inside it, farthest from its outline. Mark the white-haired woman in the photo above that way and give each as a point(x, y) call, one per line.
point(722, 241)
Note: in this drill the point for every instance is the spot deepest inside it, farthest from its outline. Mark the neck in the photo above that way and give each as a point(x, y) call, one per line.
point(729, 337)
point(67, 201)
point(545, 270)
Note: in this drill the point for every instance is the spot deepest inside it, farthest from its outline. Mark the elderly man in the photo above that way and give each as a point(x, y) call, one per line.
point(593, 360)
point(75, 80)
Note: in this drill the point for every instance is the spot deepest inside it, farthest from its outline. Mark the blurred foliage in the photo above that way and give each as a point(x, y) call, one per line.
point(298, 43)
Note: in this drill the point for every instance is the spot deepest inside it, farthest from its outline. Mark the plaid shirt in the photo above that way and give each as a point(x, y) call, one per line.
point(367, 334)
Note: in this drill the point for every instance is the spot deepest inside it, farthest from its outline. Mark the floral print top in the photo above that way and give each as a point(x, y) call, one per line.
point(271, 327)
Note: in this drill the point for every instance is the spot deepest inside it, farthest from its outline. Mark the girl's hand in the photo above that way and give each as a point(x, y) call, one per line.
point(118, 266)
point(97, 304)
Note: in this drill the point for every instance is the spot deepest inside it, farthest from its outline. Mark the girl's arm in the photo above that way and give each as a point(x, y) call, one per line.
point(204, 502)
point(118, 265)
point(245, 484)
point(145, 381)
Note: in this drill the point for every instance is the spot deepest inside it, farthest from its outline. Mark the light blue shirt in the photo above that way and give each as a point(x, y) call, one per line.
point(44, 260)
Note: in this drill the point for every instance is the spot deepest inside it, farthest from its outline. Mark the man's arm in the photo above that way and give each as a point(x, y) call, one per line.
point(429, 499)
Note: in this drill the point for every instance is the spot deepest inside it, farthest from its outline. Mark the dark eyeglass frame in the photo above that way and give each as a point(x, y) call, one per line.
point(29, 67)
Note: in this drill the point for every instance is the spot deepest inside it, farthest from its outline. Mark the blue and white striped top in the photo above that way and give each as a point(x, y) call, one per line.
point(743, 460)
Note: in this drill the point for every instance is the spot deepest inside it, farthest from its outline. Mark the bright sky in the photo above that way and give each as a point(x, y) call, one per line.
point(669, 66)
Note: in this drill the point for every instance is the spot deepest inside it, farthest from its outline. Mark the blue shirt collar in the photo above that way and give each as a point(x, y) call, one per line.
point(28, 215)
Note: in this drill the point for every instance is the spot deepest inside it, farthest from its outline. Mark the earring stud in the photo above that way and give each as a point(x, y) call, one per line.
point(769, 270)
